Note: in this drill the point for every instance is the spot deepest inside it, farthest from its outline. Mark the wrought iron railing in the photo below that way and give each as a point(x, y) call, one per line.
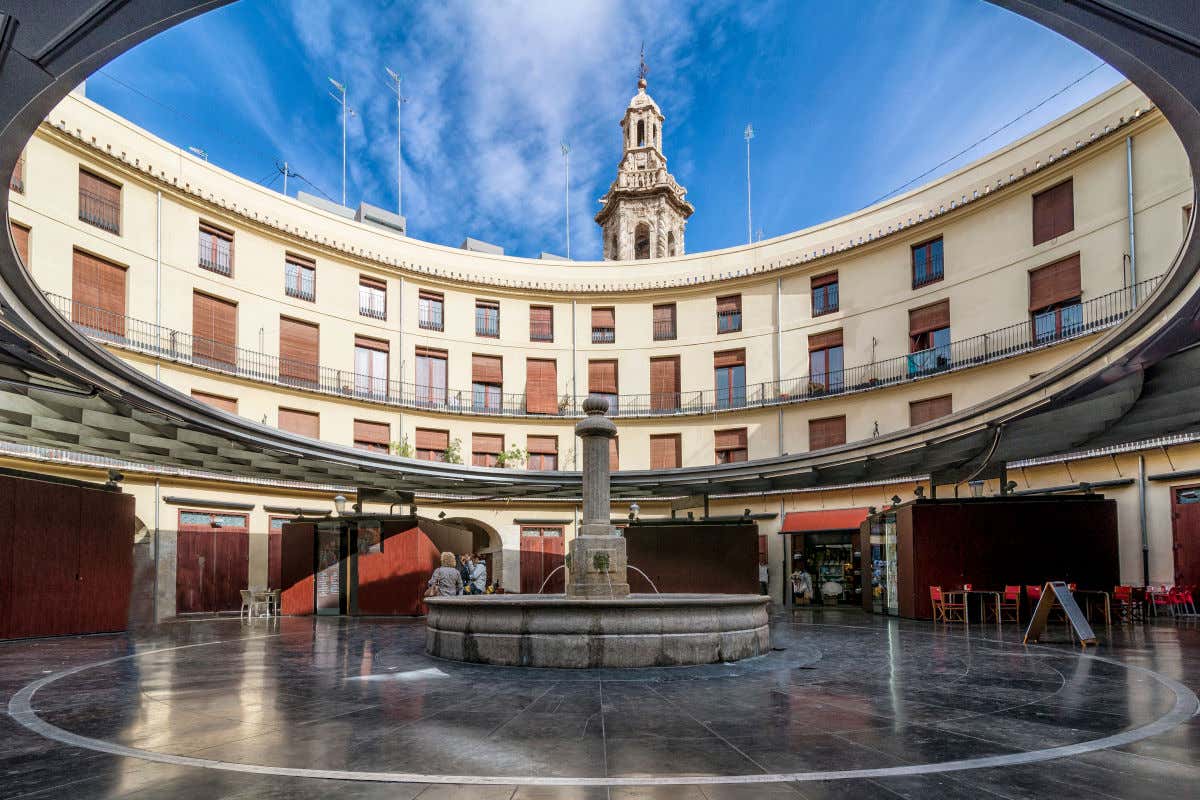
point(729, 321)
point(130, 333)
point(604, 335)
point(664, 330)
point(541, 331)
point(103, 212)
point(216, 258)
point(430, 318)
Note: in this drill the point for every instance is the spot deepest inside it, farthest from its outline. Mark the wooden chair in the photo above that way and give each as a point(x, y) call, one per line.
point(944, 611)
point(1010, 604)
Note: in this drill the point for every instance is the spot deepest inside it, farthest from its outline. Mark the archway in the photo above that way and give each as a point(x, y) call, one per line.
point(485, 540)
point(641, 241)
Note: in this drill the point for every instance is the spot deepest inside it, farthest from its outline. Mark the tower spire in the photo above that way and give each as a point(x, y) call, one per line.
point(643, 70)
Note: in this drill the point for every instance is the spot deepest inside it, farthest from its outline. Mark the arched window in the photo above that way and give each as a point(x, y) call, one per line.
point(641, 241)
point(671, 243)
point(657, 143)
point(616, 254)
point(641, 133)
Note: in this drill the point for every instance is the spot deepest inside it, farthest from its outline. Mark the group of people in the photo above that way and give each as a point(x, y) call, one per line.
point(465, 574)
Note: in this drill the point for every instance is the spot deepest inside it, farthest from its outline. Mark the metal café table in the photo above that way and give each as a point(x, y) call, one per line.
point(983, 594)
point(1088, 594)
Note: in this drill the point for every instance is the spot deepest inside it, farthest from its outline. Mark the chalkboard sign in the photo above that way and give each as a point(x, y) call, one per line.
point(1057, 591)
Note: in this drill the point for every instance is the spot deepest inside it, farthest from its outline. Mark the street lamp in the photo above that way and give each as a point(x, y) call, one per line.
point(339, 504)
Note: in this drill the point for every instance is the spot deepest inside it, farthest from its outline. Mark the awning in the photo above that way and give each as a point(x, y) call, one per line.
point(833, 519)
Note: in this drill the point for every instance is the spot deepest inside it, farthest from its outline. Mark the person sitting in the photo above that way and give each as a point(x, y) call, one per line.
point(478, 575)
point(445, 580)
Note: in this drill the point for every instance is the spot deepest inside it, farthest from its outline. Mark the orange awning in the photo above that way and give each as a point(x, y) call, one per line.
point(833, 519)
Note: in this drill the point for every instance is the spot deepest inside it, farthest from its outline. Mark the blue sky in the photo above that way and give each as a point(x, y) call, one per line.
point(849, 101)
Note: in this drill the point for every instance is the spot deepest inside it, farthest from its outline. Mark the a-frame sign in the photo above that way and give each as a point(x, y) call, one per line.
point(1058, 591)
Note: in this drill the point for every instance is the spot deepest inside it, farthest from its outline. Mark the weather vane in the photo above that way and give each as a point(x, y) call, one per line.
point(644, 69)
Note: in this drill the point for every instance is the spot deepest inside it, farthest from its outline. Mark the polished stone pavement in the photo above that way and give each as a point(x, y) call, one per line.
point(842, 691)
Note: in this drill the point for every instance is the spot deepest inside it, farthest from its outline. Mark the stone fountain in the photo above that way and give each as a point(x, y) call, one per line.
point(597, 623)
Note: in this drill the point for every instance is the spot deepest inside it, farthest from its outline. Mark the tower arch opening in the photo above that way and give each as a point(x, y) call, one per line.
point(641, 241)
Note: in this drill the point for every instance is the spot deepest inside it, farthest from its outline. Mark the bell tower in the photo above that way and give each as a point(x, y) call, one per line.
point(645, 210)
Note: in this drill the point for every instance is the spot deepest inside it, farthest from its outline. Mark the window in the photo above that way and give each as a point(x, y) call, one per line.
point(214, 331)
point(664, 383)
point(99, 202)
point(729, 313)
point(826, 432)
point(486, 449)
point(541, 386)
point(825, 294)
point(97, 294)
point(641, 133)
point(927, 263)
point(432, 445)
point(929, 338)
point(602, 381)
point(372, 297)
point(370, 367)
point(299, 344)
point(1054, 300)
point(216, 401)
point(16, 181)
point(300, 277)
point(431, 377)
point(665, 450)
point(429, 310)
point(664, 322)
point(20, 238)
point(641, 241)
point(487, 318)
point(825, 362)
point(614, 454)
point(671, 243)
point(543, 453)
point(921, 411)
point(731, 445)
point(206, 521)
point(541, 323)
point(730, 367)
point(604, 325)
point(305, 423)
point(216, 249)
point(372, 435)
point(1053, 212)
point(487, 382)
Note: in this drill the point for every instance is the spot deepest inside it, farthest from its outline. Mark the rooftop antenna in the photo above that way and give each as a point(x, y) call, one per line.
point(749, 228)
point(287, 173)
point(346, 112)
point(566, 151)
point(400, 101)
point(197, 151)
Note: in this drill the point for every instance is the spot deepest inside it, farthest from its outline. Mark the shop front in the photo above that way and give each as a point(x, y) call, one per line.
point(827, 546)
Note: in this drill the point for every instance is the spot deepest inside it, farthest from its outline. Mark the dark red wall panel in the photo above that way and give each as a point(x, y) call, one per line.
point(393, 580)
point(722, 559)
point(297, 558)
point(105, 559)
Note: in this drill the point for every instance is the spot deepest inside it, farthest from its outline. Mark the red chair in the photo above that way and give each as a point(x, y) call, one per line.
point(945, 611)
point(1010, 603)
point(1187, 601)
point(1160, 598)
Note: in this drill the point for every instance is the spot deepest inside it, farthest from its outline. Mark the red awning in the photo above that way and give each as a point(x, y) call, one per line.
point(833, 519)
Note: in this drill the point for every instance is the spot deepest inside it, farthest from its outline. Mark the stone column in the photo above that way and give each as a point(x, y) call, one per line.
point(597, 558)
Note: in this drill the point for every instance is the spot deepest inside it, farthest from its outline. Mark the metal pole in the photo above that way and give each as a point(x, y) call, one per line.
point(1132, 240)
point(158, 279)
point(395, 76)
point(343, 147)
point(749, 227)
point(285, 177)
point(1142, 520)
point(566, 151)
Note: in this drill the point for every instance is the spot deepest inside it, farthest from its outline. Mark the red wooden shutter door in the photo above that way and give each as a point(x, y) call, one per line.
point(664, 314)
point(214, 329)
point(1053, 212)
point(20, 237)
point(664, 451)
point(1055, 283)
point(826, 432)
point(299, 343)
point(604, 318)
point(541, 386)
point(729, 358)
point(664, 383)
point(734, 438)
point(98, 291)
point(304, 423)
point(432, 440)
point(376, 433)
point(490, 443)
point(602, 377)
point(487, 369)
point(921, 411)
point(729, 303)
point(547, 445)
point(824, 280)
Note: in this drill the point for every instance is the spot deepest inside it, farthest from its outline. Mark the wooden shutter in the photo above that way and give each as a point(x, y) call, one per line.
point(929, 318)
point(920, 411)
point(821, 341)
point(305, 423)
point(732, 439)
point(372, 283)
point(664, 314)
point(370, 344)
point(490, 443)
point(544, 445)
point(604, 318)
point(299, 343)
point(214, 329)
point(1053, 212)
point(826, 432)
point(1054, 283)
point(20, 237)
point(98, 291)
point(374, 433)
point(541, 386)
point(541, 323)
point(664, 383)
point(602, 377)
point(99, 201)
point(487, 369)
point(665, 451)
point(824, 280)
point(729, 303)
point(427, 439)
point(729, 358)
point(216, 401)
point(614, 454)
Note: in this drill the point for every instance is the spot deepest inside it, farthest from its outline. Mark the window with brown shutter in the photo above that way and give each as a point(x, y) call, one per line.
point(929, 338)
point(825, 298)
point(430, 306)
point(664, 322)
point(216, 249)
point(1053, 212)
point(487, 318)
point(214, 331)
point(99, 202)
point(216, 401)
point(541, 323)
point(543, 453)
point(614, 454)
point(731, 445)
point(541, 386)
point(300, 277)
point(98, 293)
point(370, 366)
point(372, 297)
point(372, 435)
point(920, 411)
point(664, 383)
point(665, 450)
point(16, 181)
point(602, 381)
point(486, 449)
point(729, 313)
point(305, 423)
point(431, 376)
point(1055, 283)
point(928, 265)
point(487, 382)
point(604, 325)
point(20, 237)
point(929, 318)
point(431, 445)
point(826, 432)
point(299, 344)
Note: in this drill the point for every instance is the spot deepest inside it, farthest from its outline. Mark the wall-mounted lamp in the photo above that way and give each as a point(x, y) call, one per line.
point(896, 500)
point(1009, 487)
point(634, 508)
point(441, 515)
point(919, 492)
point(339, 505)
point(976, 488)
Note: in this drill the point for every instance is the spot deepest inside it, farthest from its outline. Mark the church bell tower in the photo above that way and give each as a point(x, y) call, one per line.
point(645, 210)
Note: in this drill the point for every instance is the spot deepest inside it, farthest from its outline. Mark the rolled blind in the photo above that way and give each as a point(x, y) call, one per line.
point(920, 411)
point(728, 303)
point(427, 439)
point(430, 352)
point(824, 280)
point(1054, 283)
point(20, 237)
point(664, 314)
point(372, 344)
point(214, 328)
point(929, 318)
point(1053, 212)
point(820, 341)
point(372, 432)
point(826, 432)
point(604, 318)
point(305, 423)
point(541, 321)
point(664, 451)
point(299, 344)
point(545, 445)
point(541, 386)
point(490, 443)
point(614, 455)
point(487, 369)
point(100, 199)
point(729, 358)
point(100, 284)
point(373, 283)
point(735, 438)
point(664, 375)
point(216, 401)
point(602, 377)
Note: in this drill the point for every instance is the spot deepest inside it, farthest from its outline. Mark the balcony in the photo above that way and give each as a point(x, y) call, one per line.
point(304, 289)
point(375, 309)
point(664, 331)
point(102, 212)
point(604, 335)
point(825, 300)
point(487, 325)
point(430, 318)
point(729, 321)
point(925, 273)
point(541, 332)
point(219, 260)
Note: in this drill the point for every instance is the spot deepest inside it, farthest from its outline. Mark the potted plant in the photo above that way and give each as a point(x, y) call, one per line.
point(512, 458)
point(401, 448)
point(453, 452)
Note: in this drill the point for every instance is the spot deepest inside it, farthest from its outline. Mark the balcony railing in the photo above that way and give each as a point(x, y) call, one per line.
point(729, 321)
point(927, 272)
point(102, 212)
point(541, 332)
point(304, 289)
point(487, 325)
point(372, 309)
point(664, 330)
point(604, 335)
point(130, 333)
point(430, 318)
point(219, 260)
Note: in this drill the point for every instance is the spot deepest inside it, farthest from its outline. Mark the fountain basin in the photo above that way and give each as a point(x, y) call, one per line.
point(639, 630)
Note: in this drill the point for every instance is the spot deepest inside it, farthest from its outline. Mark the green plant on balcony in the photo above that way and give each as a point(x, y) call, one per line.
point(401, 448)
point(453, 452)
point(512, 458)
